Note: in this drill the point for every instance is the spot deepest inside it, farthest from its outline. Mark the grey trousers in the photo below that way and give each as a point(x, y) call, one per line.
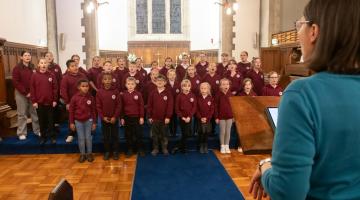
point(225, 131)
point(24, 109)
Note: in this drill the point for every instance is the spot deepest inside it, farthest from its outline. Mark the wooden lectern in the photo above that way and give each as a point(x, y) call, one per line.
point(254, 130)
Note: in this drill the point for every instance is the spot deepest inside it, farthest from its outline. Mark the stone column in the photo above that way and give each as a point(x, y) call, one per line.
point(226, 32)
point(91, 47)
point(52, 29)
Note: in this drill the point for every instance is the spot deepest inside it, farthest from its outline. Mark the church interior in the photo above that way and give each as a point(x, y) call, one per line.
point(186, 32)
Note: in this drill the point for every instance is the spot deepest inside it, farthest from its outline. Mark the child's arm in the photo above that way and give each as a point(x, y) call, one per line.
point(99, 106)
point(118, 106)
point(16, 77)
point(150, 107)
point(33, 91)
point(177, 106)
point(141, 106)
point(93, 114)
point(55, 90)
point(64, 90)
point(170, 108)
point(194, 106)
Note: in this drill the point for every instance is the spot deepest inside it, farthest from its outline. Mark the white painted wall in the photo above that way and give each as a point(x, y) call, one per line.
point(69, 14)
point(24, 21)
point(204, 25)
point(247, 28)
point(291, 11)
point(113, 25)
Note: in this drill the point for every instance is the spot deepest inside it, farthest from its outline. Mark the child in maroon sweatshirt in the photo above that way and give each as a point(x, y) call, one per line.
point(108, 104)
point(194, 79)
point(174, 86)
point(272, 89)
point(185, 108)
point(108, 69)
point(247, 88)
point(133, 72)
point(204, 113)
point(93, 74)
point(256, 75)
point(160, 109)
point(235, 78)
point(120, 71)
point(223, 114)
point(82, 115)
point(133, 117)
point(68, 88)
point(44, 95)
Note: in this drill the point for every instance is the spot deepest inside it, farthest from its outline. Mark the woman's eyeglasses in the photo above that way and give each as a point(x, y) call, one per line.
point(298, 24)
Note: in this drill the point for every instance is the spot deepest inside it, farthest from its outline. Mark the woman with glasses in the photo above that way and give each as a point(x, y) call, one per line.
point(316, 152)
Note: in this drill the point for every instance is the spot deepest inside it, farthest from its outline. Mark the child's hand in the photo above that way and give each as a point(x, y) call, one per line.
point(188, 119)
point(28, 95)
point(217, 121)
point(203, 120)
point(54, 104)
point(150, 121)
point(93, 127)
point(122, 122)
point(35, 105)
point(184, 119)
point(67, 106)
point(72, 127)
point(106, 119)
point(113, 120)
point(167, 120)
point(141, 121)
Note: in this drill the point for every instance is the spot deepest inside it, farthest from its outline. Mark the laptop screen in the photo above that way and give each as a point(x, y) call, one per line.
point(272, 114)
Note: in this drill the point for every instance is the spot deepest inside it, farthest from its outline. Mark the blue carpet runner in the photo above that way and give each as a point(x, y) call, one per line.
point(12, 145)
point(183, 177)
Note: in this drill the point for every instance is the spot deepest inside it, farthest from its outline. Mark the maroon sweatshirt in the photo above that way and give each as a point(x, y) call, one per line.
point(174, 89)
point(108, 103)
point(68, 86)
point(160, 105)
point(221, 69)
point(201, 69)
point(236, 82)
point(269, 90)
point(115, 81)
point(143, 73)
point(148, 89)
point(132, 104)
point(185, 105)
point(93, 74)
point(55, 69)
point(164, 71)
point(257, 79)
point(205, 107)
point(222, 106)
point(214, 82)
point(139, 81)
point(243, 68)
point(43, 88)
point(82, 108)
point(180, 72)
point(83, 71)
point(251, 94)
point(21, 77)
point(195, 84)
point(120, 74)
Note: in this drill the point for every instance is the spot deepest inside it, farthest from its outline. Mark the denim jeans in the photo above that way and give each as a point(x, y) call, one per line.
point(83, 130)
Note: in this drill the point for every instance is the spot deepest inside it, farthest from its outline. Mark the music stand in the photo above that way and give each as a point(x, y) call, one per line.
point(62, 191)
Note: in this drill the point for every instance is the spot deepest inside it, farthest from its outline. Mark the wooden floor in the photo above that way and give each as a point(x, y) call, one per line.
point(34, 176)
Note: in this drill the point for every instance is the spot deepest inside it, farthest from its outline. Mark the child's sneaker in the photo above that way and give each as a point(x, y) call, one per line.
point(116, 155)
point(227, 149)
point(82, 158)
point(90, 157)
point(222, 149)
point(240, 150)
point(155, 152)
point(22, 137)
point(106, 155)
point(69, 139)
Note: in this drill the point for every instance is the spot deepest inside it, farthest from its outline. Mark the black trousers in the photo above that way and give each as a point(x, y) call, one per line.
point(159, 136)
point(111, 136)
point(213, 126)
point(46, 121)
point(133, 133)
point(173, 125)
point(204, 129)
point(185, 133)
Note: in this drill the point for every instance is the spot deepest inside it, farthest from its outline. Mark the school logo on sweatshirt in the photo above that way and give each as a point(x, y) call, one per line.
point(34, 71)
point(197, 81)
point(165, 98)
point(136, 97)
point(217, 82)
point(191, 99)
point(248, 68)
point(262, 76)
point(88, 102)
point(280, 93)
point(209, 103)
point(113, 96)
point(177, 90)
point(137, 81)
point(114, 80)
point(50, 79)
point(56, 70)
point(238, 76)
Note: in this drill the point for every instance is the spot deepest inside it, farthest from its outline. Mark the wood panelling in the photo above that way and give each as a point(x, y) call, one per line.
point(112, 56)
point(10, 53)
point(158, 50)
point(212, 55)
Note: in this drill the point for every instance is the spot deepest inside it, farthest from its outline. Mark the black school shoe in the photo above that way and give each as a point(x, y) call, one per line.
point(90, 157)
point(82, 158)
point(129, 153)
point(116, 155)
point(106, 155)
point(42, 141)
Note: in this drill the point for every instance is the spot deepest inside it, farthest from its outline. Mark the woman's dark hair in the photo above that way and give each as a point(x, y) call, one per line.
point(337, 48)
point(23, 52)
point(73, 56)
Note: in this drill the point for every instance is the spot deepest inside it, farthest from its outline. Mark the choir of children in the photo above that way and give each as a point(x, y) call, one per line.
point(185, 94)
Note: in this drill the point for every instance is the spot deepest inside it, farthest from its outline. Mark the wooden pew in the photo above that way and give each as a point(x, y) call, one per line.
point(253, 127)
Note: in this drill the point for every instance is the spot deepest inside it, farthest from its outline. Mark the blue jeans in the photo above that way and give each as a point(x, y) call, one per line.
point(83, 130)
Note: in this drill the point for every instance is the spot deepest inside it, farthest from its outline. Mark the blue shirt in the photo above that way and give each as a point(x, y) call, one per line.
point(316, 150)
